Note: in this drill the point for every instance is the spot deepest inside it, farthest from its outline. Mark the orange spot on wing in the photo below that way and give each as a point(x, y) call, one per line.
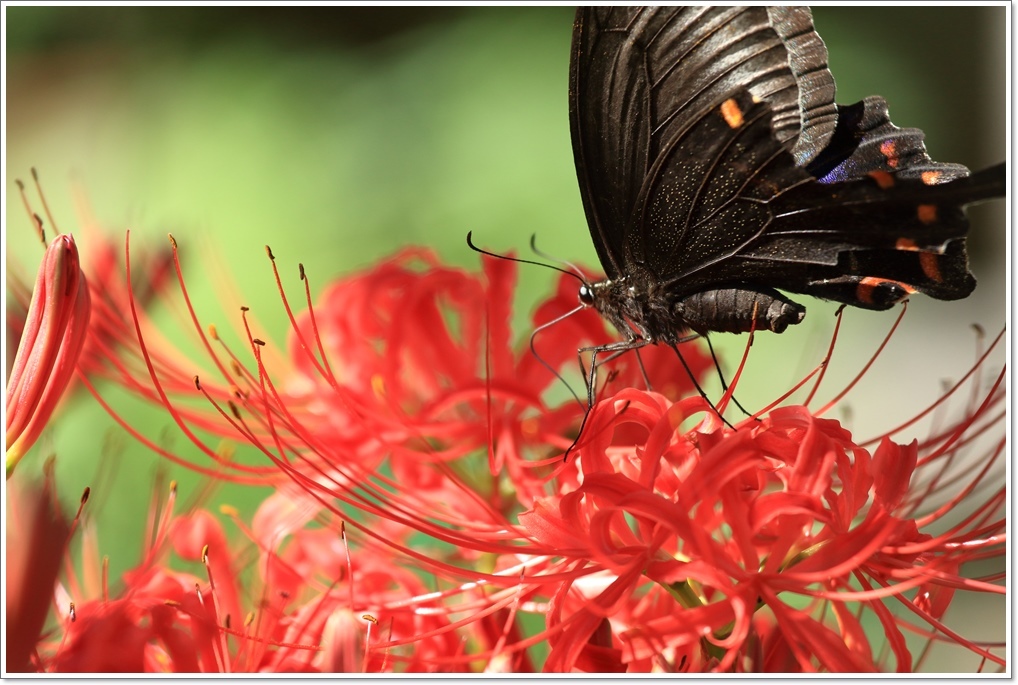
point(864, 291)
point(927, 213)
point(731, 112)
point(868, 285)
point(931, 178)
point(906, 244)
point(890, 152)
point(883, 179)
point(930, 266)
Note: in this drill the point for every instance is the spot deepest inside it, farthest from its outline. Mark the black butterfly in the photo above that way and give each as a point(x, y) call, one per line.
point(715, 169)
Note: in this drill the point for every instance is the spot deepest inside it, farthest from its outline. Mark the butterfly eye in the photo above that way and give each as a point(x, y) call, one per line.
point(586, 296)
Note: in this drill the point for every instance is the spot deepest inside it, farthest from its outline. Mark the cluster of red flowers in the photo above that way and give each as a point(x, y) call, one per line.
point(424, 518)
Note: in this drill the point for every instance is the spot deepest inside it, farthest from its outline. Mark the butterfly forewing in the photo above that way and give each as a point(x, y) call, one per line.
point(644, 80)
point(706, 195)
point(712, 159)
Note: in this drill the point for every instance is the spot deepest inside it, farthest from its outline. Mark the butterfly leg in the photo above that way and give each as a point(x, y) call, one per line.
point(721, 376)
point(614, 350)
point(643, 370)
point(696, 385)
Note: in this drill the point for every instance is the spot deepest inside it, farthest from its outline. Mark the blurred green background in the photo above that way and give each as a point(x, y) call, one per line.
point(338, 135)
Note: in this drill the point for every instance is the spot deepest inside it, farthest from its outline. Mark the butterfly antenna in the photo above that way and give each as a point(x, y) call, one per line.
point(697, 385)
point(473, 247)
point(540, 253)
point(724, 384)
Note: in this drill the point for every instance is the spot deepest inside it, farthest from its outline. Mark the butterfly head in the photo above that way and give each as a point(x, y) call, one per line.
point(586, 295)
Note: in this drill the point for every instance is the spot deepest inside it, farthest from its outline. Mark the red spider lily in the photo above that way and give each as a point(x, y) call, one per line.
point(54, 333)
point(694, 535)
point(310, 605)
point(407, 413)
point(410, 353)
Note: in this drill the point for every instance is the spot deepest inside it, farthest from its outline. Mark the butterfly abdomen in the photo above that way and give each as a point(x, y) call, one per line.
point(739, 310)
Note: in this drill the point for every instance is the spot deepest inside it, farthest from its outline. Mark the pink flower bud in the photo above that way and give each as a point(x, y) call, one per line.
point(54, 335)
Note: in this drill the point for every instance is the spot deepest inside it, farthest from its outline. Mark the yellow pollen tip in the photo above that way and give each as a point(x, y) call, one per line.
point(378, 385)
